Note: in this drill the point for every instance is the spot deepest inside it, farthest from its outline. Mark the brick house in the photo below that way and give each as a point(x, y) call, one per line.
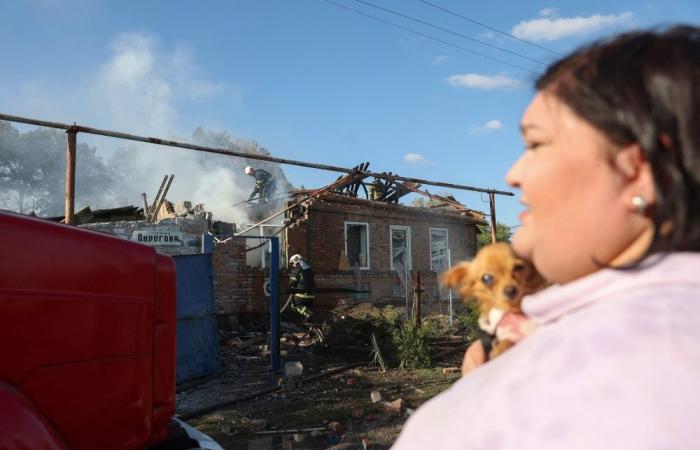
point(359, 249)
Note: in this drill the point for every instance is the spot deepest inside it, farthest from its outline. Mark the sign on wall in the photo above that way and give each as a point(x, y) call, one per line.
point(159, 237)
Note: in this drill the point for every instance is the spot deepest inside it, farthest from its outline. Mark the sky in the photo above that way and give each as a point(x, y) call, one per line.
point(427, 90)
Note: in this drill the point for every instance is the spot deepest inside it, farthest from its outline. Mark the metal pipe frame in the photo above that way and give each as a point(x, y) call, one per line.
point(222, 151)
point(274, 299)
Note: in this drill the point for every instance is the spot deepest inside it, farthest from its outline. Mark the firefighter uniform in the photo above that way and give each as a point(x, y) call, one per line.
point(302, 285)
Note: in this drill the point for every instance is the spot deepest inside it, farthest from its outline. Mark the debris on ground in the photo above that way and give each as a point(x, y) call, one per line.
point(328, 395)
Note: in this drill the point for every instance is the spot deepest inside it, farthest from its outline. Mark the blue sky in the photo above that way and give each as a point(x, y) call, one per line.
point(307, 79)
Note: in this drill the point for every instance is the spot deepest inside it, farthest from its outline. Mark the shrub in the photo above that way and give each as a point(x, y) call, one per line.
point(411, 346)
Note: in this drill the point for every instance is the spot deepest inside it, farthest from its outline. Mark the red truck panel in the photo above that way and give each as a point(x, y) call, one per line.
point(81, 330)
point(22, 426)
point(164, 349)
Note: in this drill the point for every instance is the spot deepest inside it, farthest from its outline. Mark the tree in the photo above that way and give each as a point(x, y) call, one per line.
point(483, 236)
point(32, 169)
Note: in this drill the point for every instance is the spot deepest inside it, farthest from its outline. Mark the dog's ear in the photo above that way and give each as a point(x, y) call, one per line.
point(456, 276)
point(534, 281)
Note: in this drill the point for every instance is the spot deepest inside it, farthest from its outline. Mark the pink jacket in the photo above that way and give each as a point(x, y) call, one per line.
point(614, 364)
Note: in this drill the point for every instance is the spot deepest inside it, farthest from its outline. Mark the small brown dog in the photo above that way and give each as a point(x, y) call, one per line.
point(498, 280)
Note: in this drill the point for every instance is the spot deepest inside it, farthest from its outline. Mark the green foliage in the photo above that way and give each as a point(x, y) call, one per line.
point(376, 352)
point(483, 237)
point(436, 326)
point(469, 321)
point(411, 346)
point(385, 334)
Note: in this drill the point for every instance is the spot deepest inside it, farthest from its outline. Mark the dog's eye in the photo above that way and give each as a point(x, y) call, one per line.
point(518, 267)
point(487, 279)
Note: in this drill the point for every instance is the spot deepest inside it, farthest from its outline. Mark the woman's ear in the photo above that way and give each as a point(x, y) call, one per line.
point(638, 179)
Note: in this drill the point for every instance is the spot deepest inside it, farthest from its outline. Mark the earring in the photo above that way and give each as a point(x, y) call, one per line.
point(640, 204)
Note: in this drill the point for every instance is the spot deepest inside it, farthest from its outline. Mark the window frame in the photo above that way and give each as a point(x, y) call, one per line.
point(266, 249)
point(430, 247)
point(408, 245)
point(367, 240)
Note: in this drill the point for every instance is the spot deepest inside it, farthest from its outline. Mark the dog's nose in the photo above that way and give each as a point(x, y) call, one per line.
point(510, 292)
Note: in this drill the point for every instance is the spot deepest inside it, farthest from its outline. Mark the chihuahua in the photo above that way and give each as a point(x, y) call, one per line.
point(497, 279)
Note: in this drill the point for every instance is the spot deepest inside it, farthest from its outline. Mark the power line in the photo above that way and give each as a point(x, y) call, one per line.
point(356, 11)
point(446, 30)
point(489, 27)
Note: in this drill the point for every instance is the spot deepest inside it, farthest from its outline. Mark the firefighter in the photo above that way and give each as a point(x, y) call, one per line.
point(376, 189)
point(265, 184)
point(301, 283)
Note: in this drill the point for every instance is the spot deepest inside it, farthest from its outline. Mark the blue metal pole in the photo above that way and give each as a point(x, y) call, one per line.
point(275, 305)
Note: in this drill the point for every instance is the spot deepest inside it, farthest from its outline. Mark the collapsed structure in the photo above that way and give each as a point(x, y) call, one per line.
point(362, 244)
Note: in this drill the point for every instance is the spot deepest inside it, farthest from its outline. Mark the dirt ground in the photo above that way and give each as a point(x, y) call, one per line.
point(330, 405)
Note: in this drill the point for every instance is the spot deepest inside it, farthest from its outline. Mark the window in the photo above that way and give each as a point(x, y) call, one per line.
point(259, 254)
point(400, 237)
point(439, 259)
point(357, 244)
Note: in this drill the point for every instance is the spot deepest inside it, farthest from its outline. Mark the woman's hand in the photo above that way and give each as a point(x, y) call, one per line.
point(473, 357)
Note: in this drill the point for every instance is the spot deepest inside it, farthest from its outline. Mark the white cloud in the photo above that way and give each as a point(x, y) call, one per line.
point(415, 158)
point(548, 12)
point(141, 86)
point(488, 127)
point(440, 60)
point(488, 82)
point(548, 29)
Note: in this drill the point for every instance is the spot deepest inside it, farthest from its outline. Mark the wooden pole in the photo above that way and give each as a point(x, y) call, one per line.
point(151, 209)
point(158, 205)
point(145, 205)
point(71, 143)
point(492, 204)
point(417, 297)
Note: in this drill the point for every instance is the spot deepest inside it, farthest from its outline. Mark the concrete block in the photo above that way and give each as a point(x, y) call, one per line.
point(293, 369)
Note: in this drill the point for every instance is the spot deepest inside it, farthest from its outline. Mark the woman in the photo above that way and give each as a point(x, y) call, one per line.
point(610, 181)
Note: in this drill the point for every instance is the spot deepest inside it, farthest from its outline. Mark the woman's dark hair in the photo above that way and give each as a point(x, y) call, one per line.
point(644, 87)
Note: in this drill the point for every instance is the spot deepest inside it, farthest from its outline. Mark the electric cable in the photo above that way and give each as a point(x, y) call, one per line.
point(446, 30)
point(356, 11)
point(489, 27)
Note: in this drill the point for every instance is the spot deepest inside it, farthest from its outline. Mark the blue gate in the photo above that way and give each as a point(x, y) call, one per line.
point(197, 340)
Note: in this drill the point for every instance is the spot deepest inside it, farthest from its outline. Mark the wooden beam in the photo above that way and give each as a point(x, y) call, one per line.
point(71, 144)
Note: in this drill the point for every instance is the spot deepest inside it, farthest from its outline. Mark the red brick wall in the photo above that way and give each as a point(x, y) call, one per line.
point(237, 287)
point(321, 239)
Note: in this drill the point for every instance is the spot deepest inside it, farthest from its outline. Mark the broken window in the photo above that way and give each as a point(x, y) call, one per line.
point(439, 258)
point(357, 244)
point(259, 251)
point(400, 247)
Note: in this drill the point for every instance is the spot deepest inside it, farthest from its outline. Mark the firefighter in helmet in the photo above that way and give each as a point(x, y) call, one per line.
point(301, 283)
point(265, 184)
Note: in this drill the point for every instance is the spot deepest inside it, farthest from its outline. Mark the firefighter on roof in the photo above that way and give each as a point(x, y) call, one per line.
point(265, 184)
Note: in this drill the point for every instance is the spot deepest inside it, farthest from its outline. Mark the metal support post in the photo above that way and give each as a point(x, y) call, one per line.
point(275, 304)
point(71, 142)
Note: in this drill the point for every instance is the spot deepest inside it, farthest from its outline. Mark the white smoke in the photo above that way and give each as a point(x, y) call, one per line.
point(141, 89)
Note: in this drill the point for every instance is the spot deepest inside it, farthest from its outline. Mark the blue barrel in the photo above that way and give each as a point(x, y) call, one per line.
point(197, 341)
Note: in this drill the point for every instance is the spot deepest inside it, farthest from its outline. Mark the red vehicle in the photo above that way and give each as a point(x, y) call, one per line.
point(87, 342)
